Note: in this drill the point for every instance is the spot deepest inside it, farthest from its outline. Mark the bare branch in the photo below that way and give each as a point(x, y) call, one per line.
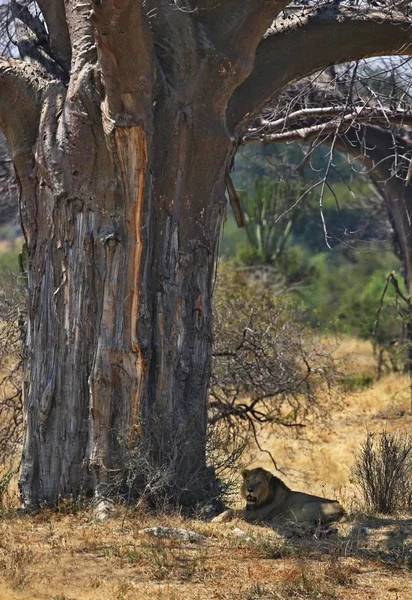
point(125, 54)
point(234, 200)
point(363, 113)
point(308, 44)
point(340, 122)
point(54, 14)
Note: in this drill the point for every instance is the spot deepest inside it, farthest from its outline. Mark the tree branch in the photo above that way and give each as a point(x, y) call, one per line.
point(33, 40)
point(384, 152)
point(339, 121)
point(234, 29)
point(310, 43)
point(21, 87)
point(239, 25)
point(363, 113)
point(81, 36)
point(54, 14)
point(126, 58)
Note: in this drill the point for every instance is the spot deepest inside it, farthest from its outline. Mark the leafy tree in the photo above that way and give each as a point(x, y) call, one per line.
point(345, 291)
point(270, 212)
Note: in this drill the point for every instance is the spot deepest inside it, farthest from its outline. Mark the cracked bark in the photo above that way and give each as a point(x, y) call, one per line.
point(122, 173)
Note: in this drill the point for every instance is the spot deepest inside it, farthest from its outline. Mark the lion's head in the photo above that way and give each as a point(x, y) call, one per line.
point(255, 486)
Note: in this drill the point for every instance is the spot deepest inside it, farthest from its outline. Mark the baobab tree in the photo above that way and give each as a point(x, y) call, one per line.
point(123, 118)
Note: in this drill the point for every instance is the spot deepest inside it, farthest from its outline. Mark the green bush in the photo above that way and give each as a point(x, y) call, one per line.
point(345, 290)
point(353, 383)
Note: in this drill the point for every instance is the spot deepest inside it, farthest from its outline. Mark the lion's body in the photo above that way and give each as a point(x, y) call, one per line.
point(267, 498)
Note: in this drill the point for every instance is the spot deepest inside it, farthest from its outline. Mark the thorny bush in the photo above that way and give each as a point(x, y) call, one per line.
point(268, 366)
point(383, 472)
point(12, 326)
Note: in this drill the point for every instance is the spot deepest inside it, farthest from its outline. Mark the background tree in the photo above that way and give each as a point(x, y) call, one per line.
point(363, 110)
point(263, 208)
point(127, 120)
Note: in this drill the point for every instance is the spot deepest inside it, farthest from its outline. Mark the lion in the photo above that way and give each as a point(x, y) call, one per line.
point(268, 497)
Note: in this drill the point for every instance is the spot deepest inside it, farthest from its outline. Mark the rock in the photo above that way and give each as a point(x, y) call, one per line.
point(173, 533)
point(324, 531)
point(242, 534)
point(239, 532)
point(208, 512)
point(103, 510)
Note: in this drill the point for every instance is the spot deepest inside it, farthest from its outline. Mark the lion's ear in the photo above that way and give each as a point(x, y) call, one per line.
point(245, 473)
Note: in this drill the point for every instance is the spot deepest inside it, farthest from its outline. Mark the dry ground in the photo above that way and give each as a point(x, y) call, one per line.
point(318, 459)
point(62, 556)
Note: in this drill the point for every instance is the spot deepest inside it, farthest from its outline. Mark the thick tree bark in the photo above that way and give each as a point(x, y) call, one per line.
point(85, 249)
point(122, 173)
point(304, 44)
point(122, 235)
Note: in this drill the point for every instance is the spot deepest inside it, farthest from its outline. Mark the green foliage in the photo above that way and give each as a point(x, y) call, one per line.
point(267, 231)
point(249, 256)
point(346, 288)
point(353, 383)
point(340, 288)
point(9, 262)
point(232, 237)
point(258, 160)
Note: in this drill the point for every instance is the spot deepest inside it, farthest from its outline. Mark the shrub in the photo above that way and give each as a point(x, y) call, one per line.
point(12, 329)
point(354, 383)
point(4, 483)
point(383, 472)
point(268, 366)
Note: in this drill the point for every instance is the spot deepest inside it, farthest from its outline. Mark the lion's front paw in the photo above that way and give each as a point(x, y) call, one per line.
point(224, 517)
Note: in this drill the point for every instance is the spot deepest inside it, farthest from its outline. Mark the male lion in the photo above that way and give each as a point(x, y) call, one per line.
point(267, 498)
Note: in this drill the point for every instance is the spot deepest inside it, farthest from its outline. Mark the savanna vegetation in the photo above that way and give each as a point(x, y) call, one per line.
point(147, 353)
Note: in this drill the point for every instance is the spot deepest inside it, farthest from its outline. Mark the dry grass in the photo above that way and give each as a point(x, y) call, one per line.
point(318, 458)
point(52, 556)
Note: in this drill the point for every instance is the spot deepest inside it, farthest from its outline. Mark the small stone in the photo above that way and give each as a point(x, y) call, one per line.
point(103, 510)
point(324, 531)
point(173, 533)
point(239, 532)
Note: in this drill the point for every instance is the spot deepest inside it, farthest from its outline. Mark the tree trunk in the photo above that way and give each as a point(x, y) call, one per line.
point(121, 144)
point(388, 171)
point(119, 323)
point(189, 203)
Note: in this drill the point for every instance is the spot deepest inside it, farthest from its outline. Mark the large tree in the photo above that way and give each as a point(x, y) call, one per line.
point(123, 118)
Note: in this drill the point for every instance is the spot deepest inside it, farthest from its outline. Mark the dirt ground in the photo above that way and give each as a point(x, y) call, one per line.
point(72, 556)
